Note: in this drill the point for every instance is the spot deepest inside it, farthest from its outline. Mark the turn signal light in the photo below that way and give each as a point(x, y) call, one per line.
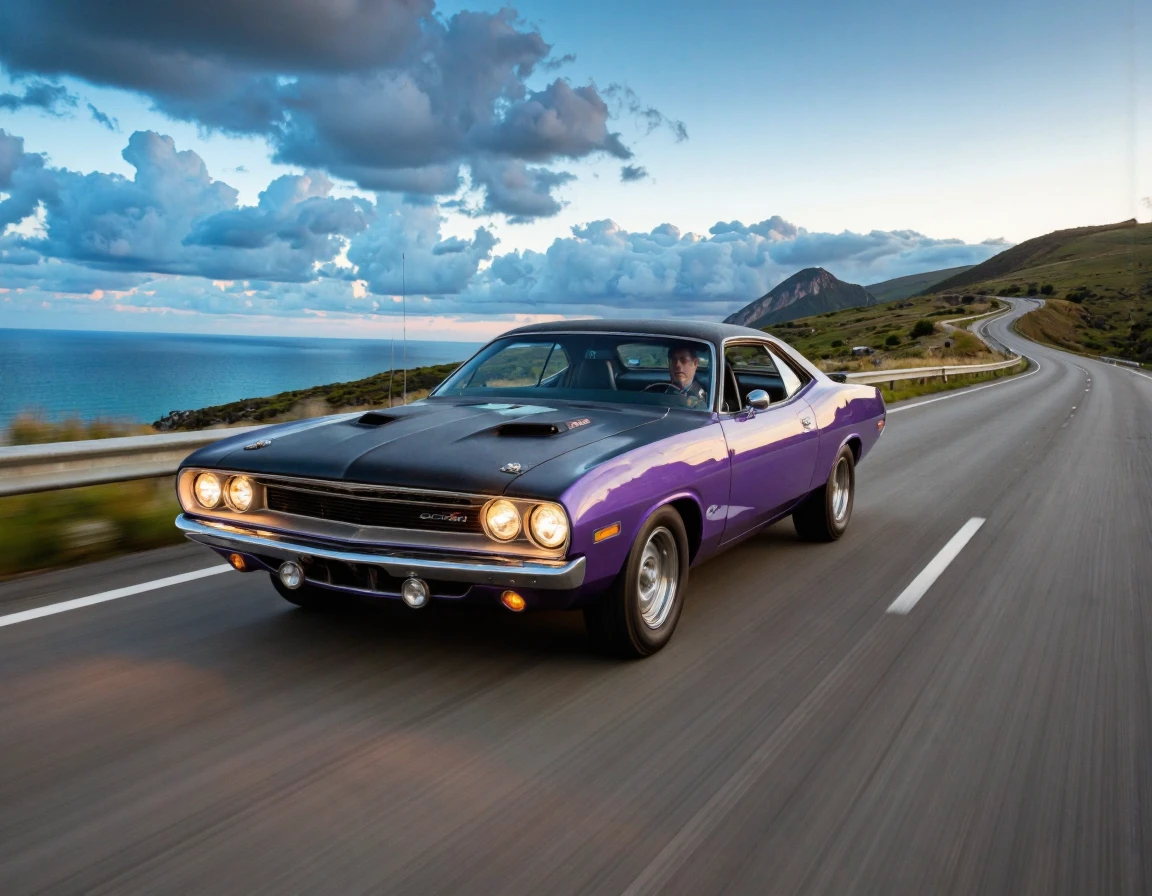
point(607, 532)
point(513, 601)
point(237, 562)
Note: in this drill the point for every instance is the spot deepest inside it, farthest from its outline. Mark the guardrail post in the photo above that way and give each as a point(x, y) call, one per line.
point(944, 373)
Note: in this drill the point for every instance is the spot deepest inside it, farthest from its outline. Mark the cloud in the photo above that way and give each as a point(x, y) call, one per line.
point(173, 237)
point(100, 118)
point(514, 189)
point(51, 98)
point(625, 101)
point(387, 93)
point(174, 218)
point(604, 270)
point(629, 173)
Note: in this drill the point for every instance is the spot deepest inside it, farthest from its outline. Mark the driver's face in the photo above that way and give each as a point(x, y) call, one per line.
point(681, 367)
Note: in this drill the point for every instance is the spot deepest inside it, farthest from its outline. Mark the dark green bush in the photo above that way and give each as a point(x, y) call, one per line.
point(923, 328)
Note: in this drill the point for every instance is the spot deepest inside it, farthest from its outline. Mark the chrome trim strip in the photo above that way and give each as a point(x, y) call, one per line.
point(545, 575)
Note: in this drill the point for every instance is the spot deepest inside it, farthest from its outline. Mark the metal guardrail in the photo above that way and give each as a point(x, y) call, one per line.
point(915, 373)
point(1107, 360)
point(26, 469)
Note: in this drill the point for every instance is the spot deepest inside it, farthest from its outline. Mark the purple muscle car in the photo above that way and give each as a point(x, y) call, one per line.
point(576, 465)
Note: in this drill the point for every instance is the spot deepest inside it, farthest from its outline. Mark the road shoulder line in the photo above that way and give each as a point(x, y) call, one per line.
point(104, 596)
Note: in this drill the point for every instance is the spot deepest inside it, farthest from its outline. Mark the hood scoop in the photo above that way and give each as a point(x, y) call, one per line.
point(530, 429)
point(375, 418)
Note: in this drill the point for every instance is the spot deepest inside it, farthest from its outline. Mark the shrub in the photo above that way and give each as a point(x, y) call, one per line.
point(1033, 289)
point(923, 328)
point(1047, 289)
point(837, 343)
point(892, 340)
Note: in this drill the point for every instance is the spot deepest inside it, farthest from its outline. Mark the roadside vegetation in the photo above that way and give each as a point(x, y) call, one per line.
point(915, 388)
point(52, 529)
point(907, 333)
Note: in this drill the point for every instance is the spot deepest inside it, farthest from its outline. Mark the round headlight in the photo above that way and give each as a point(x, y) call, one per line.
point(240, 493)
point(207, 489)
point(502, 520)
point(548, 525)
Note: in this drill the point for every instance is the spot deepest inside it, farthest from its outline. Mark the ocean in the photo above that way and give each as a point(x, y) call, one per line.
point(140, 377)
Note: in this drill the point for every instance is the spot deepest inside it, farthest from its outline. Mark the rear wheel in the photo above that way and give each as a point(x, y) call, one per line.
point(638, 616)
point(312, 597)
point(825, 513)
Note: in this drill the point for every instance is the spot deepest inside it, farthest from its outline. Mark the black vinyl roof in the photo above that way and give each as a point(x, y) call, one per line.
point(715, 333)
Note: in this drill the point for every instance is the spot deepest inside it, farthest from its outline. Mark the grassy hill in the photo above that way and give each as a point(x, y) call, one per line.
point(828, 339)
point(903, 287)
point(1099, 277)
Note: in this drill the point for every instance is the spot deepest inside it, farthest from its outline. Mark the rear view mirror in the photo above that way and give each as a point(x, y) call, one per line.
point(758, 399)
point(838, 377)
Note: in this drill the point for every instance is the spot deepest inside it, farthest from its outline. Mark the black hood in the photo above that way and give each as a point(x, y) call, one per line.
point(452, 445)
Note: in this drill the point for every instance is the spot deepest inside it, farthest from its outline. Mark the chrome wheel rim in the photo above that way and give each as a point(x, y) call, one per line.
point(658, 576)
point(841, 490)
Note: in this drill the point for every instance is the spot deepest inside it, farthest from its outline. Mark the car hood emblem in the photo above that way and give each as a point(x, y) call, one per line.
point(512, 467)
point(260, 443)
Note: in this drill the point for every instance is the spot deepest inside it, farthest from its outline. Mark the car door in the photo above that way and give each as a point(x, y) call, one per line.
point(772, 450)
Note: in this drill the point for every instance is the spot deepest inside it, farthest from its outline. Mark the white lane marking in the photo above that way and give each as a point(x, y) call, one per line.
point(65, 606)
point(916, 590)
point(920, 404)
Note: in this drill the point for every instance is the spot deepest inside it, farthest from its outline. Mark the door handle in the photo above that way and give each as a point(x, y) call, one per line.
point(806, 422)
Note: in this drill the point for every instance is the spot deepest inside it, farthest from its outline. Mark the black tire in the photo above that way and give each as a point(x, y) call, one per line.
point(311, 597)
point(616, 622)
point(817, 518)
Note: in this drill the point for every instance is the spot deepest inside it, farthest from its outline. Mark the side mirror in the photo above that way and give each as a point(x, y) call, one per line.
point(838, 377)
point(758, 399)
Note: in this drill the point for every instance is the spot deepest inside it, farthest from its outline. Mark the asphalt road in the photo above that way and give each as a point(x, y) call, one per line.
point(794, 738)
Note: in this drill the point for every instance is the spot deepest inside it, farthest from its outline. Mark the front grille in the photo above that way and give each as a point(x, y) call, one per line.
point(397, 511)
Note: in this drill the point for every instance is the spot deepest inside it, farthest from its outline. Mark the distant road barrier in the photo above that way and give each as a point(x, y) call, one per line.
point(26, 469)
point(1119, 361)
point(916, 373)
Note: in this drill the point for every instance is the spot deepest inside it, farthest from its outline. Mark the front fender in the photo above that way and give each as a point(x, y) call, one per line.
point(692, 466)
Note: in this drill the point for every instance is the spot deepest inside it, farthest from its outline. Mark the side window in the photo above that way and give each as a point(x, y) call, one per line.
point(519, 364)
point(792, 382)
point(751, 357)
point(556, 364)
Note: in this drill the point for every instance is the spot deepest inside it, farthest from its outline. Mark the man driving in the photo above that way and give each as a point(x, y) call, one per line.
point(682, 364)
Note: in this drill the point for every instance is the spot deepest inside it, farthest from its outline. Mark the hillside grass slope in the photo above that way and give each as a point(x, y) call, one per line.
point(905, 287)
point(1097, 280)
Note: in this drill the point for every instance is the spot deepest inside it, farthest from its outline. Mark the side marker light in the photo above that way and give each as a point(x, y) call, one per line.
point(238, 562)
point(607, 532)
point(513, 601)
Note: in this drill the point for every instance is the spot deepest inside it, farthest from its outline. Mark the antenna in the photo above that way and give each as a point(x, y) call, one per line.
point(404, 316)
point(391, 365)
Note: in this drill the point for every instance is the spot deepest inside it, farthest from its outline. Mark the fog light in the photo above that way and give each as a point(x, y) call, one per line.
point(291, 575)
point(238, 562)
point(513, 601)
point(414, 592)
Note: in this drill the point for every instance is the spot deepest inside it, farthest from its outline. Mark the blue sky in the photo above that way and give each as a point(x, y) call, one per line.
point(873, 140)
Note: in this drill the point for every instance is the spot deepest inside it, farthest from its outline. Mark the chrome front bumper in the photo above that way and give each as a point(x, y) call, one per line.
point(554, 575)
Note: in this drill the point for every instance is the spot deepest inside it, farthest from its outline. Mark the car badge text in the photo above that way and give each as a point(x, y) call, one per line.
point(445, 517)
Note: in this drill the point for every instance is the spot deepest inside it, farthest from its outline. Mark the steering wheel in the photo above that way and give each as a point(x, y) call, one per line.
point(666, 388)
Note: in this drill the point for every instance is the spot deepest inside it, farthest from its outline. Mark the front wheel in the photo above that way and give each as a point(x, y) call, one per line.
point(825, 513)
point(638, 616)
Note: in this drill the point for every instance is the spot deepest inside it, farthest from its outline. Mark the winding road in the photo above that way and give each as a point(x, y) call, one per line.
point(862, 717)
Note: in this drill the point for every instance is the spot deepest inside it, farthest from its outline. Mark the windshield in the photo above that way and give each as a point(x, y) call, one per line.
point(661, 371)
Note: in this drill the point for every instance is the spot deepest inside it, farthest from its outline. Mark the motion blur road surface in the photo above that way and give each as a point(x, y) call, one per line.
point(794, 738)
